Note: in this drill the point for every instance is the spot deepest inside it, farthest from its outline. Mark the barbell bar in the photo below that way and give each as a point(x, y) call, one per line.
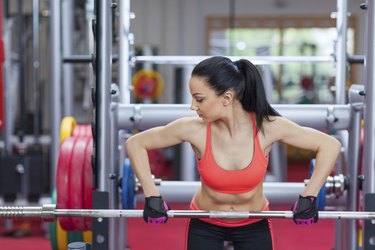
point(49, 212)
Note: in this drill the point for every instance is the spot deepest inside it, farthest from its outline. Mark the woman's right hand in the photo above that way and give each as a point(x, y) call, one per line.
point(155, 210)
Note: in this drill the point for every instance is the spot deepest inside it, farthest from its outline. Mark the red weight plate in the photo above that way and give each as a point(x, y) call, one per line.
point(76, 190)
point(77, 131)
point(88, 131)
point(62, 179)
point(88, 183)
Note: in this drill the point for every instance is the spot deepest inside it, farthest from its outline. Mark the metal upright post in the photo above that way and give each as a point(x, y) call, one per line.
point(187, 154)
point(352, 193)
point(116, 234)
point(124, 84)
point(55, 91)
point(341, 71)
point(341, 50)
point(36, 63)
point(369, 120)
point(124, 50)
point(369, 112)
point(67, 10)
point(102, 119)
point(103, 83)
point(8, 112)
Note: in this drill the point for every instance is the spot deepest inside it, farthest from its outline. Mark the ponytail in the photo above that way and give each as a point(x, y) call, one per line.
point(254, 97)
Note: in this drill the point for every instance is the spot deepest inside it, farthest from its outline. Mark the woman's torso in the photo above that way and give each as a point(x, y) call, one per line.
point(232, 153)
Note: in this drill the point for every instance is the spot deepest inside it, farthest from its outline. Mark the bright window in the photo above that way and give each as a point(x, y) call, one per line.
point(290, 82)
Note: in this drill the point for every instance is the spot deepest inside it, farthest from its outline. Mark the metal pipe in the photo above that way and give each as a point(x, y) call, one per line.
point(8, 82)
point(36, 63)
point(103, 229)
point(21, 71)
point(192, 60)
point(67, 10)
point(114, 240)
point(322, 117)
point(183, 60)
point(278, 193)
point(341, 50)
point(48, 211)
point(369, 118)
point(356, 100)
point(83, 59)
point(103, 95)
point(369, 111)
point(187, 161)
point(55, 91)
point(360, 59)
point(124, 50)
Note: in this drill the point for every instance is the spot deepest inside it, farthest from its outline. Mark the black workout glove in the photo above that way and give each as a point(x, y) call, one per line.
point(155, 210)
point(305, 211)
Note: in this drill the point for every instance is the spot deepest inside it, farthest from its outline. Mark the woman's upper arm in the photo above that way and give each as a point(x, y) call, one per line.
point(299, 136)
point(162, 136)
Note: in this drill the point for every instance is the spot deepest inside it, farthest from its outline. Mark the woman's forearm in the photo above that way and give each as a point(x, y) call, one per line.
point(140, 164)
point(324, 164)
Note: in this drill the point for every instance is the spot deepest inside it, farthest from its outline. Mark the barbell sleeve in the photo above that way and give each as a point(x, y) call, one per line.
point(49, 212)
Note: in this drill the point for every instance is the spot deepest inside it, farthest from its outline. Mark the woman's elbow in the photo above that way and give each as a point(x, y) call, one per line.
point(131, 143)
point(335, 146)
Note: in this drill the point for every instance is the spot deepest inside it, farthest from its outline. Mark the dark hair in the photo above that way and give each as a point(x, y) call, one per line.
point(243, 78)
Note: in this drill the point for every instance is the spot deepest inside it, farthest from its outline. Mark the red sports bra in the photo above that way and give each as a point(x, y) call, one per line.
point(232, 181)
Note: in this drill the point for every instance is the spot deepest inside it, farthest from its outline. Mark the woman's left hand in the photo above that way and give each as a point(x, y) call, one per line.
point(305, 211)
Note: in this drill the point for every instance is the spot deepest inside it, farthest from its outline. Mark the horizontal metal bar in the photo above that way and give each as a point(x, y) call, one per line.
point(360, 59)
point(258, 60)
point(318, 116)
point(192, 60)
point(49, 211)
point(83, 59)
point(277, 193)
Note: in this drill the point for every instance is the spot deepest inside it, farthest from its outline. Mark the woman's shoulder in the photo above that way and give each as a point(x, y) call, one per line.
point(190, 122)
point(188, 128)
point(271, 123)
point(278, 125)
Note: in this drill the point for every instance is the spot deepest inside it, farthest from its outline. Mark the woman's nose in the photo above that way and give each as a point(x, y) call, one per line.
point(193, 107)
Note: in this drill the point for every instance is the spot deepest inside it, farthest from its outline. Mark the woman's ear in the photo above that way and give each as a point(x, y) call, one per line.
point(228, 98)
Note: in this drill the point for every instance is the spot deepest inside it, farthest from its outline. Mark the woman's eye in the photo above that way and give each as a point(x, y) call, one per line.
point(199, 100)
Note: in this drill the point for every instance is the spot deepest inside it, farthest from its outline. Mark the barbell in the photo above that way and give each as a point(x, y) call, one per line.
point(49, 212)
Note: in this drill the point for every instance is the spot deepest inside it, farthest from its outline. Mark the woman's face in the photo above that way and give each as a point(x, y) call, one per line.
point(204, 100)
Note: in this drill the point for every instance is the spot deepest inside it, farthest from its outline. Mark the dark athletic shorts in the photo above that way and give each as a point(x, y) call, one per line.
point(205, 236)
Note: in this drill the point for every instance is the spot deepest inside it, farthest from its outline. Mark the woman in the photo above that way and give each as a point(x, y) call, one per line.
point(232, 138)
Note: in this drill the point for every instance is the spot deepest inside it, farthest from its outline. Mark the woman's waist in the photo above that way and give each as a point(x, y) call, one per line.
point(207, 199)
point(194, 205)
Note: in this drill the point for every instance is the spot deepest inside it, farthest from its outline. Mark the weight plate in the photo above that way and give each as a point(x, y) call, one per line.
point(87, 237)
point(88, 131)
point(74, 237)
point(321, 197)
point(88, 183)
point(77, 130)
point(128, 186)
point(62, 236)
point(62, 179)
point(76, 174)
point(66, 128)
